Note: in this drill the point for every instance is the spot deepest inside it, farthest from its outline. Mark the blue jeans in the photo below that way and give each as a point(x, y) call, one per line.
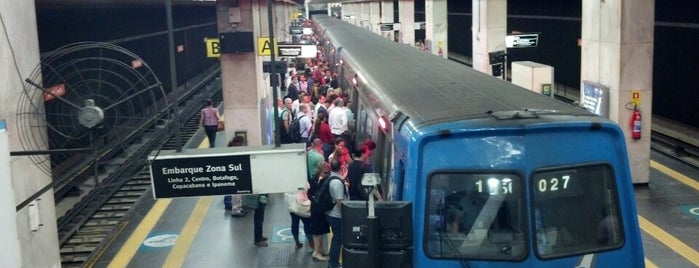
point(295, 225)
point(336, 244)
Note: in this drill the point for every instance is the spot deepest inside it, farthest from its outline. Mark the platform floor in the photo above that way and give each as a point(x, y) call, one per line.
point(199, 232)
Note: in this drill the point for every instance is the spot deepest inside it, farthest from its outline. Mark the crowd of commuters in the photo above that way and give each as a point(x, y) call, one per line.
point(313, 98)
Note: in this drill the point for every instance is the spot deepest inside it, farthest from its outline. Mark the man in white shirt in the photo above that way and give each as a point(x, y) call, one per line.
point(337, 119)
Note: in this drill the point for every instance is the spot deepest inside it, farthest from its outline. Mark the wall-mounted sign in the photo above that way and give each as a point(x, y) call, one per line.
point(386, 27)
point(546, 90)
point(213, 47)
point(522, 40)
point(636, 97)
point(595, 98)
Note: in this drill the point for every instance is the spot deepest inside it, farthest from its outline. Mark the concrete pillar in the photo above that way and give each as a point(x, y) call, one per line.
point(29, 236)
point(365, 16)
point(489, 30)
point(349, 12)
point(436, 27)
point(283, 17)
point(386, 11)
point(387, 17)
point(406, 13)
point(374, 16)
point(617, 52)
point(356, 14)
point(241, 73)
point(10, 255)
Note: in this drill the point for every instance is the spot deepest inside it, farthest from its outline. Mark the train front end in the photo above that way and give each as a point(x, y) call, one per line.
point(550, 193)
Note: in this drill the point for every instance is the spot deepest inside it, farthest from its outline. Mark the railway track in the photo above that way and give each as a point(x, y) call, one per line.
point(675, 148)
point(125, 179)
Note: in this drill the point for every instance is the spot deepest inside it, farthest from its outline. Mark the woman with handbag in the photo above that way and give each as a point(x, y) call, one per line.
point(298, 202)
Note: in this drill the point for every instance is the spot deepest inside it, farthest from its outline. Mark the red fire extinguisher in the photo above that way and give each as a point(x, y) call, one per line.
point(636, 123)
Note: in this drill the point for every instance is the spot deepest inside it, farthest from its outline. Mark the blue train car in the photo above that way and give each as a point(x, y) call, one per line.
point(498, 176)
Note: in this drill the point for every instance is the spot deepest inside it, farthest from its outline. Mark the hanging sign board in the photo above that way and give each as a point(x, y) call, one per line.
point(300, 51)
point(231, 170)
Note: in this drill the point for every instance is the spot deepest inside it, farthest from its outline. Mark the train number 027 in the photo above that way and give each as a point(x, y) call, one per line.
point(554, 184)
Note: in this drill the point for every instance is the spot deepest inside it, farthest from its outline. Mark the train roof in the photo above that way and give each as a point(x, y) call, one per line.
point(430, 89)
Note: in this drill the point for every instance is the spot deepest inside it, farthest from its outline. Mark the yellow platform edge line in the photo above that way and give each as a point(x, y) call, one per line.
point(675, 175)
point(670, 241)
point(128, 250)
point(650, 264)
point(189, 233)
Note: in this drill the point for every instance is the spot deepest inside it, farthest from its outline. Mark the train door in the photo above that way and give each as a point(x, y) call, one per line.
point(385, 161)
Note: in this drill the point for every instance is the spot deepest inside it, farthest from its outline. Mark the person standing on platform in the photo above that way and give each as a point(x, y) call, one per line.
point(259, 220)
point(305, 125)
point(209, 119)
point(319, 225)
point(337, 119)
point(293, 89)
point(314, 158)
point(235, 202)
point(338, 191)
point(321, 129)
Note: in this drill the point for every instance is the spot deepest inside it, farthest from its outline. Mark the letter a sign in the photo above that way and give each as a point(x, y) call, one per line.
point(264, 48)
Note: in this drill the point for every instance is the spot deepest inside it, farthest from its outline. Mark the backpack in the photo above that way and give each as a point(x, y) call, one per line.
point(322, 199)
point(295, 129)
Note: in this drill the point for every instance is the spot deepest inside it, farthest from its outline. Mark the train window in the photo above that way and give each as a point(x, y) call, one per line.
point(575, 211)
point(475, 216)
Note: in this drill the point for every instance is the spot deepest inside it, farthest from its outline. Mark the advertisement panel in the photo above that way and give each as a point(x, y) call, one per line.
point(595, 98)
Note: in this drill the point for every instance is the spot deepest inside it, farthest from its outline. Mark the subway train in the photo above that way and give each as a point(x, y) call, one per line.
point(496, 175)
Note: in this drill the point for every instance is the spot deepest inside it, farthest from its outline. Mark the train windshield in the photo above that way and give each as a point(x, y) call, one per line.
point(476, 216)
point(575, 211)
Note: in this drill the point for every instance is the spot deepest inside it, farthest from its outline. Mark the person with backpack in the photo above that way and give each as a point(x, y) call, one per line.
point(338, 192)
point(284, 122)
point(319, 222)
point(305, 125)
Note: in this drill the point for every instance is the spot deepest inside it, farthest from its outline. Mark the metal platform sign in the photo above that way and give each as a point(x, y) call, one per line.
point(232, 170)
point(522, 40)
point(300, 51)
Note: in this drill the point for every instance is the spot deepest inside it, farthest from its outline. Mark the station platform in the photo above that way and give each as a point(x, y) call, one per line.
point(199, 232)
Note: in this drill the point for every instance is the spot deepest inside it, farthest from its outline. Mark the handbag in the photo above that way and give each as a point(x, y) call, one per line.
point(221, 126)
point(298, 203)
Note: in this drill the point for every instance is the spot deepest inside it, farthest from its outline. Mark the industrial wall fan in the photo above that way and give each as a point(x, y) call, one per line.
point(83, 96)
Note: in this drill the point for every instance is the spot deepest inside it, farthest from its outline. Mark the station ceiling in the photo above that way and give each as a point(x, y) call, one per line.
point(130, 3)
